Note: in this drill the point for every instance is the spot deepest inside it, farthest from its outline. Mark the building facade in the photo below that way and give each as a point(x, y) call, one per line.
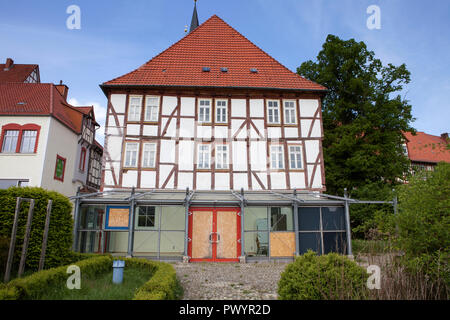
point(213, 152)
point(45, 142)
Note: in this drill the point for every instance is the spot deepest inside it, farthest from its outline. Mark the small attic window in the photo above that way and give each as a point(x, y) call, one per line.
point(21, 103)
point(206, 69)
point(225, 70)
point(253, 70)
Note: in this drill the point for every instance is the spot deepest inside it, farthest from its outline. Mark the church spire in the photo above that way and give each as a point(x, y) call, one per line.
point(194, 22)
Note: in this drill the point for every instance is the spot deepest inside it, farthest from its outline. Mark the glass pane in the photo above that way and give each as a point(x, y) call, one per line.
point(91, 217)
point(310, 241)
point(308, 219)
point(118, 241)
point(255, 219)
point(333, 218)
point(172, 243)
point(146, 217)
point(173, 218)
point(256, 243)
point(281, 219)
point(334, 242)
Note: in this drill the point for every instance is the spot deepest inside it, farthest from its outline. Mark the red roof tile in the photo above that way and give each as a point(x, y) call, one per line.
point(215, 44)
point(17, 73)
point(38, 99)
point(427, 148)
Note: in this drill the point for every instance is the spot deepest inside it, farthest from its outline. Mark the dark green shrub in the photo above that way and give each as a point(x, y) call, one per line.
point(326, 277)
point(4, 248)
point(60, 232)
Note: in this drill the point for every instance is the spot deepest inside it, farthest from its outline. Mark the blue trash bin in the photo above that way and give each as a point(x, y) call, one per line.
point(118, 266)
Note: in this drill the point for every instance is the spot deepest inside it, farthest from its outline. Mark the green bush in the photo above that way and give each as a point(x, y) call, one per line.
point(60, 231)
point(424, 223)
point(4, 248)
point(33, 286)
point(326, 277)
point(163, 285)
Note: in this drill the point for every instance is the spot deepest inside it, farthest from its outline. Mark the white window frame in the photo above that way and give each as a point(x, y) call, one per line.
point(202, 115)
point(147, 155)
point(129, 162)
point(134, 110)
point(290, 112)
point(224, 112)
point(204, 157)
point(277, 157)
point(298, 157)
point(273, 111)
point(10, 140)
point(154, 109)
point(221, 157)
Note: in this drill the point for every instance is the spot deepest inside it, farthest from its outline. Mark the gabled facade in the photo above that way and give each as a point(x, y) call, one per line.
point(213, 112)
point(44, 141)
point(213, 152)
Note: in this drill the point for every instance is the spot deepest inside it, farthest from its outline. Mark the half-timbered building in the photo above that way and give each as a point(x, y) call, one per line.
point(210, 149)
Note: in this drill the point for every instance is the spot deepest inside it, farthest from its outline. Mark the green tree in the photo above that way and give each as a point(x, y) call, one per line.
point(363, 115)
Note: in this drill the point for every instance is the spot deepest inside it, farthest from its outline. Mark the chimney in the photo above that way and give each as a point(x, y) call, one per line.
point(63, 89)
point(444, 136)
point(9, 64)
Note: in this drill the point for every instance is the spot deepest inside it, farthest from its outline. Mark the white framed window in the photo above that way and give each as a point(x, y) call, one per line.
point(10, 141)
point(295, 157)
point(221, 111)
point(290, 114)
point(273, 111)
point(204, 111)
point(149, 155)
point(221, 157)
point(134, 108)
point(28, 141)
point(151, 109)
point(204, 156)
point(276, 157)
point(131, 154)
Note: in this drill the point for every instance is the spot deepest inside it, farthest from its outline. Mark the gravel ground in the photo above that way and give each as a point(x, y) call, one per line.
point(229, 281)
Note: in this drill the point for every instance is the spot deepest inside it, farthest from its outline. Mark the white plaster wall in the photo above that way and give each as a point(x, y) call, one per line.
point(222, 181)
point(148, 179)
point(187, 106)
point(64, 142)
point(133, 129)
point(239, 155)
point(278, 180)
point(256, 108)
point(297, 180)
point(185, 180)
point(118, 101)
point(186, 159)
point(258, 155)
point(171, 129)
point(238, 108)
point(187, 128)
point(308, 107)
point(306, 124)
point(150, 131)
point(312, 150)
point(168, 105)
point(129, 179)
point(25, 166)
point(167, 151)
point(203, 180)
point(240, 180)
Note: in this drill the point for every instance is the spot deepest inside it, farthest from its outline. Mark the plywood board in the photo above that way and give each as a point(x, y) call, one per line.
point(118, 218)
point(201, 229)
point(282, 244)
point(227, 230)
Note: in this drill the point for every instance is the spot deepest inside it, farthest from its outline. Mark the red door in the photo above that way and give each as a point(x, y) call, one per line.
point(214, 234)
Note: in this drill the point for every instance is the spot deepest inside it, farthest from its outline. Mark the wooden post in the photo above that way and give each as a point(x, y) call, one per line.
point(13, 241)
point(26, 239)
point(45, 237)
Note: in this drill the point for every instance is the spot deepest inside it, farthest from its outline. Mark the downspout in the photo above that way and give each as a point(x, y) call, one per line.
point(131, 226)
point(75, 221)
point(347, 224)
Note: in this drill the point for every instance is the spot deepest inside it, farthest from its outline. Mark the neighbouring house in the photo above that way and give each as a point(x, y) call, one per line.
point(45, 142)
point(425, 151)
point(213, 152)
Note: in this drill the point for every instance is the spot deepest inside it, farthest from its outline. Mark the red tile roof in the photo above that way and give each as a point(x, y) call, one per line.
point(17, 73)
point(427, 148)
point(39, 99)
point(214, 44)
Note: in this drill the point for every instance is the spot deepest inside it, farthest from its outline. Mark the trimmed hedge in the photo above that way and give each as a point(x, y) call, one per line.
point(326, 277)
point(60, 231)
point(163, 285)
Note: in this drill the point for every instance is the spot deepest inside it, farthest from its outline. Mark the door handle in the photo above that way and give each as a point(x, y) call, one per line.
point(210, 237)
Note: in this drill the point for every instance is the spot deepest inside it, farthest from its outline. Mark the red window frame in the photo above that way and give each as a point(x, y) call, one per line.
point(82, 164)
point(58, 157)
point(21, 129)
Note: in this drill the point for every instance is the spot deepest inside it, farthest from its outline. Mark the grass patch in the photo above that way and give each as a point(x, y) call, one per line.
point(371, 246)
point(101, 287)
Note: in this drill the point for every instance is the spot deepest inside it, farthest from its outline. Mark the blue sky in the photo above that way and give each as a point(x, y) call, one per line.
point(119, 36)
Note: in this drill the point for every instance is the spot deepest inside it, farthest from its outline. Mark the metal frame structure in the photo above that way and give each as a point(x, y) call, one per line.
point(134, 197)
